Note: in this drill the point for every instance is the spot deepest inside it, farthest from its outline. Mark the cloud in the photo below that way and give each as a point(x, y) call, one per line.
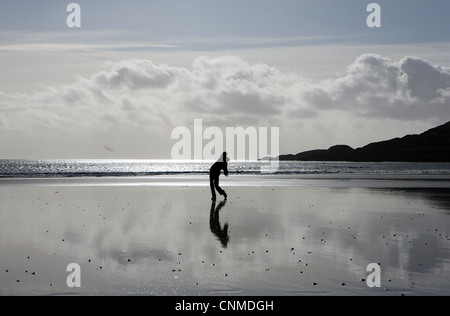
point(373, 86)
point(137, 75)
point(139, 97)
point(81, 42)
point(425, 81)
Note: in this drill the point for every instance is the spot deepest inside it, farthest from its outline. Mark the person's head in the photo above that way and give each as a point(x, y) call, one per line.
point(223, 157)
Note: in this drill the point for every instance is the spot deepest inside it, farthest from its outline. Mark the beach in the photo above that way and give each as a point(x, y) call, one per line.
point(322, 127)
point(275, 236)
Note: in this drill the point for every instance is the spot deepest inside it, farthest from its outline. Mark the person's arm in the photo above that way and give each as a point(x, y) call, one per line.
point(225, 169)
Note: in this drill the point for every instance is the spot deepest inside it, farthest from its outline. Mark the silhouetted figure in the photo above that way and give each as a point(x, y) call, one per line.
point(214, 224)
point(214, 174)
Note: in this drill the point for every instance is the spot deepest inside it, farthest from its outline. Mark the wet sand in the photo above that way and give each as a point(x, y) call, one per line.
point(137, 238)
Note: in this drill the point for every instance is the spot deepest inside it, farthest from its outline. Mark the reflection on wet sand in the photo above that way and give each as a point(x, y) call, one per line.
point(216, 227)
point(285, 240)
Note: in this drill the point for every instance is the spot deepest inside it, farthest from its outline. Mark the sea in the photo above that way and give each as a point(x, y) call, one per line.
point(12, 168)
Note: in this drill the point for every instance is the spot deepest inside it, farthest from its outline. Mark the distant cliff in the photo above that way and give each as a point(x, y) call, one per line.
point(431, 146)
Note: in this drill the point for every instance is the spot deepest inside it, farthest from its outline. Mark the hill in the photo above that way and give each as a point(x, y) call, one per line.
point(430, 146)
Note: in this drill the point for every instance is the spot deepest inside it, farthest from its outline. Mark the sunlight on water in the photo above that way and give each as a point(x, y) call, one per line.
point(126, 168)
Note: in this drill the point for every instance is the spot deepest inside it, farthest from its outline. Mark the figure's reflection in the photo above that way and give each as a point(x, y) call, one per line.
point(214, 224)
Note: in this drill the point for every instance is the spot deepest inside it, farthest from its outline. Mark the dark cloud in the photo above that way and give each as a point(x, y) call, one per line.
point(425, 80)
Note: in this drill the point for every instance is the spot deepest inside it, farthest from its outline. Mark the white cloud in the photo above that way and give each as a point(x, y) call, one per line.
point(69, 42)
point(373, 86)
point(137, 97)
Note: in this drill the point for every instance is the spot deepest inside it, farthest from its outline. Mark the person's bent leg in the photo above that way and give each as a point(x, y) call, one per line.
point(219, 189)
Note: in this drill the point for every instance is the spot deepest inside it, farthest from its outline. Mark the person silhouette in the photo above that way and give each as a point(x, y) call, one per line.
point(214, 224)
point(214, 174)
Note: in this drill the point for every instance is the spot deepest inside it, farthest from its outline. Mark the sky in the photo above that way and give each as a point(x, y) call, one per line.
point(135, 70)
